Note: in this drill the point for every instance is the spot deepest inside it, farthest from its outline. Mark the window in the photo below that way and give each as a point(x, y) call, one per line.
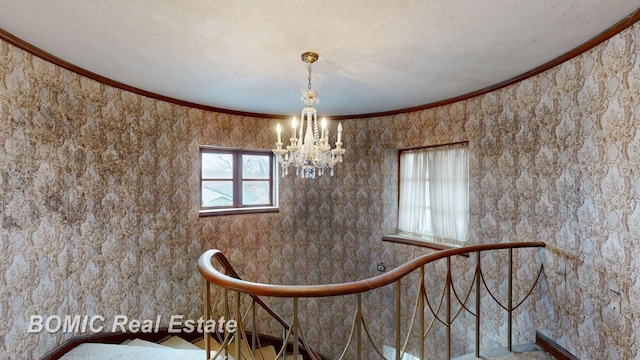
point(233, 181)
point(434, 193)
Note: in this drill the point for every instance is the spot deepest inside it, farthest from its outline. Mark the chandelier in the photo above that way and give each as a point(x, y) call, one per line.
point(309, 150)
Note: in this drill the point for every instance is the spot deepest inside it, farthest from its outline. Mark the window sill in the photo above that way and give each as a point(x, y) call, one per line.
point(400, 239)
point(238, 211)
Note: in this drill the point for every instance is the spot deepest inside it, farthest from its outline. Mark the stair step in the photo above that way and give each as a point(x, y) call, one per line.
point(177, 342)
point(265, 353)
point(244, 350)
point(520, 352)
point(143, 343)
point(170, 348)
point(96, 351)
point(216, 348)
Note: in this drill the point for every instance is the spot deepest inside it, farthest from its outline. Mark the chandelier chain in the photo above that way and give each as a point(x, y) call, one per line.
point(309, 68)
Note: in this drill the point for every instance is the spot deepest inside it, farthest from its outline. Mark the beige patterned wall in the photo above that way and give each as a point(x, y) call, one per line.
point(99, 201)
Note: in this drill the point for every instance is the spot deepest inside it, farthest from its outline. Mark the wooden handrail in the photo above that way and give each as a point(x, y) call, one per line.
point(234, 274)
point(214, 276)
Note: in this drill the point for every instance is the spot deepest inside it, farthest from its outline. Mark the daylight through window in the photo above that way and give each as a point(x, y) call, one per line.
point(434, 193)
point(236, 179)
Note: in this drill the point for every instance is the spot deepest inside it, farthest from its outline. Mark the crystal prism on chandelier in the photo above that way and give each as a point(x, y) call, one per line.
point(309, 150)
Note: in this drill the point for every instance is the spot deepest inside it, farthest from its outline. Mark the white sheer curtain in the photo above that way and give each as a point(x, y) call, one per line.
point(434, 193)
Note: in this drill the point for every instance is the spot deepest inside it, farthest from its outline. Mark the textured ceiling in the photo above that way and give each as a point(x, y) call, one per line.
point(375, 56)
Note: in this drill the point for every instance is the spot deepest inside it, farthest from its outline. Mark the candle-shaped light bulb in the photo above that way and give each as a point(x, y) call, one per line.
point(323, 124)
point(294, 125)
point(278, 130)
point(339, 132)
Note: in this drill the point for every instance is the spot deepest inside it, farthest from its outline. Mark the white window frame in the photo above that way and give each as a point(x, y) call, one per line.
point(237, 179)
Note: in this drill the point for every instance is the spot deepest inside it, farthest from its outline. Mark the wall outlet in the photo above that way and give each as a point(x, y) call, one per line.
point(381, 267)
point(616, 301)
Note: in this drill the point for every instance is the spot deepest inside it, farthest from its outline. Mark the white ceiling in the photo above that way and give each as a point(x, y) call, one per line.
point(375, 55)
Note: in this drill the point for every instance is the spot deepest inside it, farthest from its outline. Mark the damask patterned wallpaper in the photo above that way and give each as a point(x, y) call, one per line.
point(100, 196)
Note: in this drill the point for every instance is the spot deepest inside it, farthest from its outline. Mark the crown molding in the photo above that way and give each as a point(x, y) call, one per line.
point(597, 40)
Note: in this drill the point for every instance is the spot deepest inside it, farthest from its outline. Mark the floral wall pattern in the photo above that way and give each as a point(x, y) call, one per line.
point(100, 194)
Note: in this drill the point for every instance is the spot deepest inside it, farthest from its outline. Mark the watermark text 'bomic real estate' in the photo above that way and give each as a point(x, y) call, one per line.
point(124, 324)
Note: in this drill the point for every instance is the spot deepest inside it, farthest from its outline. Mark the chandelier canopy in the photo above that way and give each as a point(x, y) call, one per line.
point(309, 150)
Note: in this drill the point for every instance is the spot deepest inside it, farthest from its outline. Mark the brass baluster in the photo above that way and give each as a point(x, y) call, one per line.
point(285, 336)
point(239, 319)
point(510, 300)
point(478, 297)
point(398, 332)
point(359, 327)
point(254, 326)
point(294, 327)
point(207, 315)
point(421, 305)
point(227, 313)
point(447, 283)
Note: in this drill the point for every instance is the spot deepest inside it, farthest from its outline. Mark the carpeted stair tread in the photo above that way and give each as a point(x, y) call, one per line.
point(177, 342)
point(215, 347)
point(265, 353)
point(172, 348)
point(143, 343)
point(95, 351)
point(520, 352)
point(245, 350)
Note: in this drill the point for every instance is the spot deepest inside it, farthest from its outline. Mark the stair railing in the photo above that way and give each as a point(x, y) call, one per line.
point(229, 289)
